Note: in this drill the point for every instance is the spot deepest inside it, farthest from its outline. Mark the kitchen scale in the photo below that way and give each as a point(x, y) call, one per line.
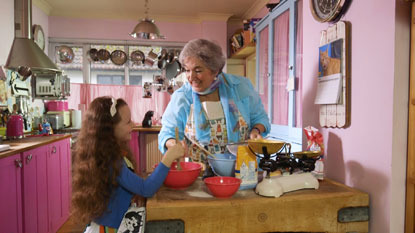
point(276, 155)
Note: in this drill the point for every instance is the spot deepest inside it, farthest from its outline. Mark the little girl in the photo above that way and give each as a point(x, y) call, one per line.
point(104, 181)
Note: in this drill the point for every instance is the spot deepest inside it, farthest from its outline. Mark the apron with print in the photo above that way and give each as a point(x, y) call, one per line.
point(218, 133)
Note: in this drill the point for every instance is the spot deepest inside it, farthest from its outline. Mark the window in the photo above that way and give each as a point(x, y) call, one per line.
point(279, 59)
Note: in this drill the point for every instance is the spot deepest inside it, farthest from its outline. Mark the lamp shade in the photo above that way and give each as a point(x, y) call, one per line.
point(146, 29)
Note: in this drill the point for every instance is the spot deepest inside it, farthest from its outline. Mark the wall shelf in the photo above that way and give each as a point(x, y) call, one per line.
point(245, 51)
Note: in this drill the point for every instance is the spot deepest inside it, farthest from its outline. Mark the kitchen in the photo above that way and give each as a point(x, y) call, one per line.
point(369, 155)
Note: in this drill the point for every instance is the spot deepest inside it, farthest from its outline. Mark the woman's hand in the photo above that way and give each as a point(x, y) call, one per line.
point(256, 132)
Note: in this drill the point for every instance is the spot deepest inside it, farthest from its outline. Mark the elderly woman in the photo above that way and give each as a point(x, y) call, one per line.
point(212, 108)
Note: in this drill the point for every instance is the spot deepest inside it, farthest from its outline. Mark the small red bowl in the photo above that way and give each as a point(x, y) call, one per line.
point(222, 186)
point(181, 179)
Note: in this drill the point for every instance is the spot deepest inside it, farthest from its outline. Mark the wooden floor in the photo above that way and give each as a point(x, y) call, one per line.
point(71, 226)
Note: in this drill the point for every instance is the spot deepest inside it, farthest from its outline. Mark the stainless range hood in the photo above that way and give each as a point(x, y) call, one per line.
point(25, 54)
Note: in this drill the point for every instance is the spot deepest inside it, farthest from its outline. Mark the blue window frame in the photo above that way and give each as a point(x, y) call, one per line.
point(290, 130)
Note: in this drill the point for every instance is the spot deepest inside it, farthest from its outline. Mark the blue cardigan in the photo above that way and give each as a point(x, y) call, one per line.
point(130, 184)
point(238, 89)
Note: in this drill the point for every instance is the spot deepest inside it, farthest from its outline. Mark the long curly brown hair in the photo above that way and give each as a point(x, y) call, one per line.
point(97, 160)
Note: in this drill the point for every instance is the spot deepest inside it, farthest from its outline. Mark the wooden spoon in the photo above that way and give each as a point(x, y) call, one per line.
point(176, 131)
point(201, 147)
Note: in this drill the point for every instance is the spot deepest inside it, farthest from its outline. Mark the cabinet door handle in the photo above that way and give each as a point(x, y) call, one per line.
point(28, 158)
point(53, 149)
point(18, 163)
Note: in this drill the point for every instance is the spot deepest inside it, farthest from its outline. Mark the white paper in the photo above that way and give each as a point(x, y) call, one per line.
point(329, 89)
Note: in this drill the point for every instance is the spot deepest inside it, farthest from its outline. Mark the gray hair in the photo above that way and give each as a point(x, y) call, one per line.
point(207, 51)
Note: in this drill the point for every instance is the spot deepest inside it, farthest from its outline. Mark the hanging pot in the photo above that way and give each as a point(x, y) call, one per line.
point(103, 55)
point(173, 69)
point(93, 55)
point(137, 57)
point(149, 62)
point(152, 55)
point(118, 57)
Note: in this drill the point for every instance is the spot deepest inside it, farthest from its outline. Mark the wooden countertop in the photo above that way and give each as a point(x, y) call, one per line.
point(24, 144)
point(302, 210)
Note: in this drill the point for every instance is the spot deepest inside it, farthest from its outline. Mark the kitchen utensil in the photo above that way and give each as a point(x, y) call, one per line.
point(176, 132)
point(161, 64)
point(152, 55)
point(65, 54)
point(103, 55)
point(307, 154)
point(222, 186)
point(118, 57)
point(163, 54)
point(170, 57)
point(24, 72)
point(223, 164)
point(271, 146)
point(93, 54)
point(137, 57)
point(149, 62)
point(173, 69)
point(181, 179)
point(200, 147)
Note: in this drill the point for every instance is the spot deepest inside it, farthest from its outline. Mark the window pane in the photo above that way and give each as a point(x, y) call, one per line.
point(281, 73)
point(72, 69)
point(263, 67)
point(136, 80)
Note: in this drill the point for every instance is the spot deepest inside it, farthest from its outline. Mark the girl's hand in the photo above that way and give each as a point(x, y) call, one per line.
point(174, 152)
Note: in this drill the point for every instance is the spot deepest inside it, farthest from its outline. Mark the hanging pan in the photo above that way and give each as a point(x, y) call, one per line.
point(137, 57)
point(93, 55)
point(118, 57)
point(173, 69)
point(65, 54)
point(103, 55)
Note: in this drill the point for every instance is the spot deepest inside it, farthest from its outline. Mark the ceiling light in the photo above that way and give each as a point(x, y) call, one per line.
point(146, 28)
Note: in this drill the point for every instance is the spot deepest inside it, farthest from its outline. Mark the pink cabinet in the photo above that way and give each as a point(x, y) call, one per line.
point(58, 180)
point(10, 194)
point(35, 189)
point(35, 197)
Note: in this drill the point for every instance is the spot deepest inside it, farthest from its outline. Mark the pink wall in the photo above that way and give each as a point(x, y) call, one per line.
point(111, 29)
point(361, 155)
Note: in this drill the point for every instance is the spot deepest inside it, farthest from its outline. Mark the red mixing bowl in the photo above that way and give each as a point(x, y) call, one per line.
point(181, 179)
point(222, 186)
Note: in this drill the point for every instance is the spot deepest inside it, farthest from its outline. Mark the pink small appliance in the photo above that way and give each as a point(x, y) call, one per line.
point(14, 127)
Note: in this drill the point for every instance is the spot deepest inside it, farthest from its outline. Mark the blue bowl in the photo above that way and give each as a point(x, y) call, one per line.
point(223, 164)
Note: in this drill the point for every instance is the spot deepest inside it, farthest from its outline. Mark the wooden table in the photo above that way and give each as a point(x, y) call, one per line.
point(333, 207)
